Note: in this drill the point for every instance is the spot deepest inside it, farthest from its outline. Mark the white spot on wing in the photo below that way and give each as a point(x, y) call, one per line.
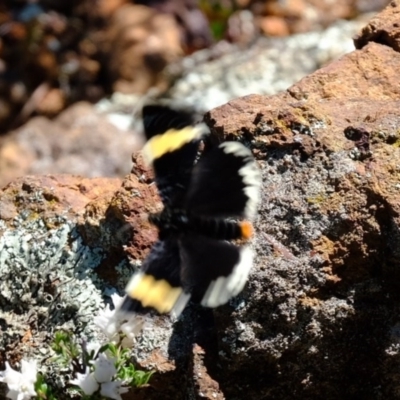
point(249, 172)
point(224, 288)
point(236, 148)
point(252, 179)
point(180, 304)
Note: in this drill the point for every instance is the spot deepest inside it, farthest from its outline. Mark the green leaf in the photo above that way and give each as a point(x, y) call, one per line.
point(43, 390)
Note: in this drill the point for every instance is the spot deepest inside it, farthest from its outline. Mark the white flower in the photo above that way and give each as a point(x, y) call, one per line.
point(93, 347)
point(131, 328)
point(15, 395)
point(113, 390)
point(9, 375)
point(104, 368)
point(29, 370)
point(109, 321)
point(117, 300)
point(112, 323)
point(21, 384)
point(86, 382)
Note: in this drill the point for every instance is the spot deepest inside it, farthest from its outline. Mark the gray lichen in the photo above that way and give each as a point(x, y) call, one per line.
point(48, 284)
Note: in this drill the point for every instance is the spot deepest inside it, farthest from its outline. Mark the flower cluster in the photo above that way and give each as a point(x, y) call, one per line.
point(21, 384)
point(106, 369)
point(116, 326)
point(102, 371)
point(101, 378)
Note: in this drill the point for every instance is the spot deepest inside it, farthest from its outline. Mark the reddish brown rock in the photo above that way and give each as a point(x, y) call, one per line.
point(63, 194)
point(140, 43)
point(307, 15)
point(383, 29)
point(375, 63)
point(206, 387)
point(132, 203)
point(273, 26)
point(79, 141)
point(320, 311)
point(322, 300)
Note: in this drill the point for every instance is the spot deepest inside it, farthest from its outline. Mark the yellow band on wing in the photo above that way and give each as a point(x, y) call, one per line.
point(151, 292)
point(170, 141)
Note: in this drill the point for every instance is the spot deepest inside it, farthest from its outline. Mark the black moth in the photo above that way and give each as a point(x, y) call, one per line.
point(207, 203)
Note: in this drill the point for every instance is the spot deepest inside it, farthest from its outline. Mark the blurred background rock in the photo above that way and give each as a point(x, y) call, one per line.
point(73, 74)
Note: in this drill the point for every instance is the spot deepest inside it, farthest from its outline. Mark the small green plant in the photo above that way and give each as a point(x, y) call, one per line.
point(43, 390)
point(126, 370)
point(101, 371)
point(65, 348)
point(218, 13)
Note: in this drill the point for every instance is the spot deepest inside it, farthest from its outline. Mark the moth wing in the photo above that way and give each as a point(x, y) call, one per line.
point(214, 271)
point(225, 183)
point(157, 286)
point(158, 119)
point(171, 149)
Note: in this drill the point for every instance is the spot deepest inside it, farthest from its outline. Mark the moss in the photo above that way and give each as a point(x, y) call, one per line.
point(318, 199)
point(33, 216)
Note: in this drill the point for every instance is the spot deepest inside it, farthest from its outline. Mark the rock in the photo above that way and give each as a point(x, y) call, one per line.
point(307, 15)
point(273, 26)
point(63, 194)
point(108, 7)
point(140, 42)
point(52, 104)
point(206, 387)
point(195, 27)
point(79, 141)
point(270, 65)
point(321, 307)
point(48, 282)
point(383, 29)
point(241, 28)
point(319, 316)
point(379, 64)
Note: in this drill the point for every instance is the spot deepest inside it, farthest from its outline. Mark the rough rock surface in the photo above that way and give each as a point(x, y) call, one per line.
point(384, 29)
point(319, 318)
point(295, 16)
point(140, 43)
point(53, 54)
point(214, 76)
point(79, 141)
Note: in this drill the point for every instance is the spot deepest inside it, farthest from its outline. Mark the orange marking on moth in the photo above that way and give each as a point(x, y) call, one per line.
point(246, 228)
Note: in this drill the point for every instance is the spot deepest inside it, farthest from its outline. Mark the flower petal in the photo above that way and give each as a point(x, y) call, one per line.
point(86, 382)
point(29, 370)
point(104, 368)
point(112, 390)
